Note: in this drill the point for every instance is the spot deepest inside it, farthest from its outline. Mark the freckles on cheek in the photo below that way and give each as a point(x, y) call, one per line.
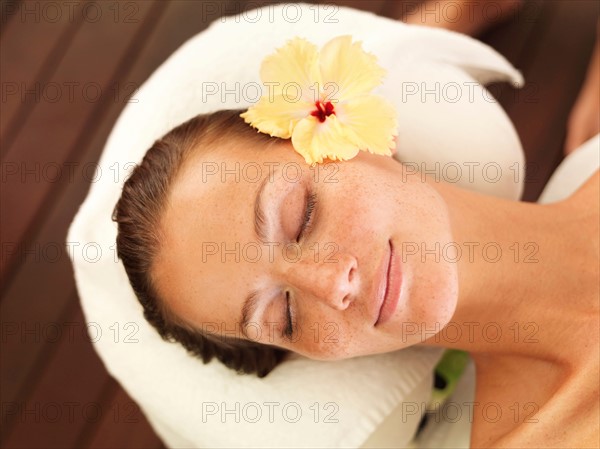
point(353, 222)
point(328, 343)
point(326, 352)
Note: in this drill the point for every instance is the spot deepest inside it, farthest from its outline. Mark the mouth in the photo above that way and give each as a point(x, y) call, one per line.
point(389, 286)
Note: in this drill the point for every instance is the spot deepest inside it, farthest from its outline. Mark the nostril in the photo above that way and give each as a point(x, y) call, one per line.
point(347, 300)
point(352, 272)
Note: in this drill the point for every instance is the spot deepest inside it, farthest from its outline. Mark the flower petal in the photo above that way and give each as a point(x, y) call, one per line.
point(350, 69)
point(315, 140)
point(276, 116)
point(371, 121)
point(293, 66)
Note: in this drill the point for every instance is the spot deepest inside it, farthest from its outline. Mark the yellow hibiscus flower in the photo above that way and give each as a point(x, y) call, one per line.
point(323, 100)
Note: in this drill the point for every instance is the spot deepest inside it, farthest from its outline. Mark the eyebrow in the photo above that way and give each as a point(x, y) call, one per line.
point(260, 224)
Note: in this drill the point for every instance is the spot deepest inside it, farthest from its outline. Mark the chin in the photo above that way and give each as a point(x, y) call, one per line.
point(440, 300)
point(427, 303)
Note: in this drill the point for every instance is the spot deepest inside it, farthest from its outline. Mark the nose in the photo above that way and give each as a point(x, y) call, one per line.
point(328, 278)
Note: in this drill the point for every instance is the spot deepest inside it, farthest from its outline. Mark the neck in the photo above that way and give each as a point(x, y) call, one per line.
point(511, 275)
point(528, 315)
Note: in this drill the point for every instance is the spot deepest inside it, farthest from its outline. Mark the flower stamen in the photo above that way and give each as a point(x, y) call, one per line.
point(323, 110)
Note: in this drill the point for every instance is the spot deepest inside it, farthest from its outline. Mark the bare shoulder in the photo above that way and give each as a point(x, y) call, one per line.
point(570, 419)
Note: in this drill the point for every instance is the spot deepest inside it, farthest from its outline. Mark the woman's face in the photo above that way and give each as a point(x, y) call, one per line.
point(234, 248)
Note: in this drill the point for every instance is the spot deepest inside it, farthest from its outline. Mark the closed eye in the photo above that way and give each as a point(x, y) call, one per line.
point(289, 329)
point(311, 201)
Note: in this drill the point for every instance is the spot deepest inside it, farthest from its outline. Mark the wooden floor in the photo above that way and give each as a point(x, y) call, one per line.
point(66, 74)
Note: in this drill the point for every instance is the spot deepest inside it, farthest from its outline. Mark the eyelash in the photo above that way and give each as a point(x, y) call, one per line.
point(311, 201)
point(289, 330)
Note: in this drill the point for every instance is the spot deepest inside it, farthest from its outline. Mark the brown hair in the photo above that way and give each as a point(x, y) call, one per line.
point(138, 214)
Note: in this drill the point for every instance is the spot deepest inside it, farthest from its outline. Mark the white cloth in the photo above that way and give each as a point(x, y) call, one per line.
point(177, 392)
point(573, 171)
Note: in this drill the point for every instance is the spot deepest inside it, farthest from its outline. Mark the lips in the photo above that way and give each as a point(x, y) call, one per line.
point(388, 292)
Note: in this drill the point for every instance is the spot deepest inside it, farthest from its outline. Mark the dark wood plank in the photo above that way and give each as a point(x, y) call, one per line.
point(37, 157)
point(8, 10)
point(39, 34)
point(41, 303)
point(123, 426)
point(65, 398)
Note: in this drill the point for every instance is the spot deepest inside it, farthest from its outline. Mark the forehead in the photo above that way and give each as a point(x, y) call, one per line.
point(214, 196)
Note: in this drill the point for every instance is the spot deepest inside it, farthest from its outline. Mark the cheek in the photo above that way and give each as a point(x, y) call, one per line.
point(327, 339)
point(433, 295)
point(428, 261)
point(349, 222)
point(346, 343)
point(361, 210)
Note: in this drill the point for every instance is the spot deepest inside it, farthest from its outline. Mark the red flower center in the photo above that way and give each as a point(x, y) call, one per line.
point(323, 110)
